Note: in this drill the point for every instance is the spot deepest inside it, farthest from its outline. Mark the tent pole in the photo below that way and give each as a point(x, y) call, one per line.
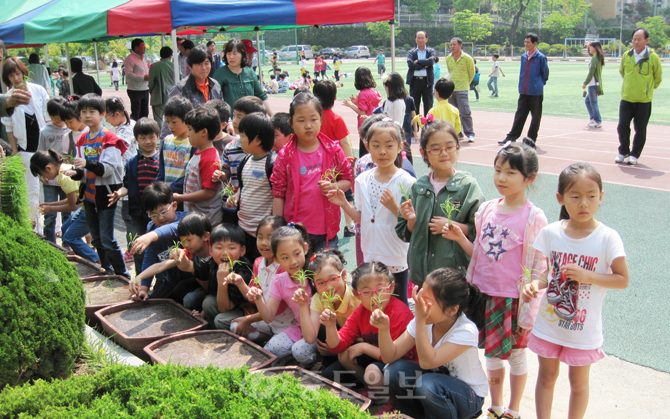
point(175, 55)
point(162, 40)
point(46, 56)
point(97, 69)
point(67, 57)
point(258, 58)
point(392, 45)
point(297, 56)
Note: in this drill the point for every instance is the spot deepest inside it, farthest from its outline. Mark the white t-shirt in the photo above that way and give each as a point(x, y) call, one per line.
point(115, 73)
point(466, 367)
point(595, 253)
point(395, 110)
point(256, 197)
point(495, 69)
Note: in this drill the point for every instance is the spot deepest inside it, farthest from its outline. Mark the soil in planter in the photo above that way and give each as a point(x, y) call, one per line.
point(313, 384)
point(214, 349)
point(151, 320)
point(106, 291)
point(84, 270)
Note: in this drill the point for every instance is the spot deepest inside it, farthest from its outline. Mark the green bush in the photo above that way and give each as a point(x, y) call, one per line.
point(41, 308)
point(13, 190)
point(173, 392)
point(544, 47)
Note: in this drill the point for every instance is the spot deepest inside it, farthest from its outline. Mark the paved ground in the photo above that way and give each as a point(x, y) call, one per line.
point(633, 380)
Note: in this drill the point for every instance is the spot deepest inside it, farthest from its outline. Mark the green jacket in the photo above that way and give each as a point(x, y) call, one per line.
point(595, 71)
point(640, 80)
point(428, 252)
point(161, 80)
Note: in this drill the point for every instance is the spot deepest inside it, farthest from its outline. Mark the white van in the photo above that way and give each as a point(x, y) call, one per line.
point(289, 52)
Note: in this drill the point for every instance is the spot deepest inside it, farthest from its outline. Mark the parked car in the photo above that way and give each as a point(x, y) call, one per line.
point(358, 51)
point(288, 53)
point(328, 52)
point(88, 62)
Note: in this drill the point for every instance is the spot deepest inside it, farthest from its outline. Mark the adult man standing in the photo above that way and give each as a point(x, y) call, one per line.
point(462, 70)
point(533, 75)
point(81, 83)
point(420, 61)
point(216, 57)
point(161, 80)
point(641, 71)
point(137, 73)
point(184, 46)
point(38, 72)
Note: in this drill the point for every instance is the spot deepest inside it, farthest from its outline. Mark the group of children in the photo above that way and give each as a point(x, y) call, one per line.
point(242, 230)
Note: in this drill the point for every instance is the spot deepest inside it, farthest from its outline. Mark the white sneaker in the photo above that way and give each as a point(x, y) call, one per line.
point(620, 158)
point(477, 100)
point(591, 122)
point(595, 125)
point(471, 139)
point(632, 160)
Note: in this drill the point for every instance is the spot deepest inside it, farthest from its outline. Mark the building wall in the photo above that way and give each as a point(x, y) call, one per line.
point(606, 9)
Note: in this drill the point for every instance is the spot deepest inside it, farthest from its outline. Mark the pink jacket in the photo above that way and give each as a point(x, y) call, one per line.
point(286, 179)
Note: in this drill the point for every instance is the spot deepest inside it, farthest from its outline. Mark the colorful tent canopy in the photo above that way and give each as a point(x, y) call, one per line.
point(52, 21)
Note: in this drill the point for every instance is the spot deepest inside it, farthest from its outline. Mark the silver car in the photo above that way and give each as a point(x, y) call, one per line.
point(357, 51)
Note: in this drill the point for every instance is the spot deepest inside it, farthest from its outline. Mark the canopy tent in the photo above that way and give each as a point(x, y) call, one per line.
point(55, 21)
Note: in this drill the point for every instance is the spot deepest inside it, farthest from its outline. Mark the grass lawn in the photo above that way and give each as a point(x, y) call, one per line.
point(563, 92)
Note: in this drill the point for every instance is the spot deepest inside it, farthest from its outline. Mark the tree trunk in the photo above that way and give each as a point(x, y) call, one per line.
point(515, 22)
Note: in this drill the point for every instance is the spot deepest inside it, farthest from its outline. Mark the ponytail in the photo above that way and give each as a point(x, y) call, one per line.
point(114, 105)
point(41, 158)
point(564, 214)
point(452, 289)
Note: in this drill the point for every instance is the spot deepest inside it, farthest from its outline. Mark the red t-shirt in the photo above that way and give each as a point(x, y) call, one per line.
point(358, 326)
point(333, 126)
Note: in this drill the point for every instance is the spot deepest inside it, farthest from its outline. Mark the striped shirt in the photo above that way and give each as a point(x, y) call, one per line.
point(199, 173)
point(231, 158)
point(256, 195)
point(147, 170)
point(176, 154)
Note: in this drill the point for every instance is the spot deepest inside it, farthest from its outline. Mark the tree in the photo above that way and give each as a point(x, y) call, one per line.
point(562, 24)
point(644, 9)
point(426, 8)
point(657, 28)
point(461, 5)
point(472, 27)
point(381, 31)
point(516, 8)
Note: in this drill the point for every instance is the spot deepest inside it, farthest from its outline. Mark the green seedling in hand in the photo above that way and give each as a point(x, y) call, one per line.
point(330, 175)
point(328, 299)
point(378, 300)
point(175, 247)
point(448, 207)
point(233, 263)
point(527, 278)
point(228, 190)
point(255, 281)
point(133, 237)
point(301, 276)
point(404, 191)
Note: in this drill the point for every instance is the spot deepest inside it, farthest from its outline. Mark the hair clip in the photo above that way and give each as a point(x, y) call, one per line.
point(70, 99)
point(427, 120)
point(312, 258)
point(291, 224)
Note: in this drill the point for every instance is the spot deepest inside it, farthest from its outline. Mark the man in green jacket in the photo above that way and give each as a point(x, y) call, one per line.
point(161, 80)
point(641, 72)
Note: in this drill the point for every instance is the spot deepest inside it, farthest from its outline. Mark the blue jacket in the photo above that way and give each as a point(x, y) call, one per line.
point(412, 56)
point(158, 250)
point(539, 74)
point(131, 183)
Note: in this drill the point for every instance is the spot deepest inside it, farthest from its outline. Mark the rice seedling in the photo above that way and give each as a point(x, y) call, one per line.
point(448, 207)
point(404, 191)
point(330, 175)
point(175, 247)
point(133, 237)
point(328, 299)
point(302, 276)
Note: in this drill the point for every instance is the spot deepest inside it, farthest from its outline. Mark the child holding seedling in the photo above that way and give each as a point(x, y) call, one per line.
point(233, 154)
point(290, 249)
point(50, 165)
point(501, 253)
point(448, 382)
point(254, 195)
point(227, 273)
point(176, 148)
point(307, 168)
point(445, 196)
point(141, 171)
point(377, 194)
point(587, 258)
point(331, 292)
point(374, 286)
point(98, 163)
point(200, 192)
point(264, 271)
point(193, 231)
point(161, 234)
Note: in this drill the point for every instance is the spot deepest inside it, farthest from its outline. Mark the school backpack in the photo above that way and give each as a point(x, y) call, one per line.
point(269, 166)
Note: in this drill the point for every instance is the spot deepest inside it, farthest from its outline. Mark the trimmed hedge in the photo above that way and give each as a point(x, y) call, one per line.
point(173, 392)
point(13, 190)
point(41, 308)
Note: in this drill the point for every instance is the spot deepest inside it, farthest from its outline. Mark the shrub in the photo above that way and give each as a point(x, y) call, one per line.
point(544, 47)
point(41, 308)
point(173, 391)
point(13, 190)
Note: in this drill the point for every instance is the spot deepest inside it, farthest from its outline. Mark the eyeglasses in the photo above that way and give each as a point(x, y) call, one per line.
point(160, 214)
point(332, 281)
point(438, 151)
point(370, 293)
